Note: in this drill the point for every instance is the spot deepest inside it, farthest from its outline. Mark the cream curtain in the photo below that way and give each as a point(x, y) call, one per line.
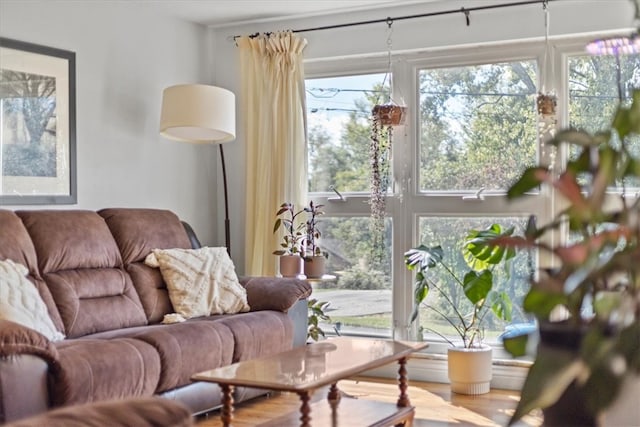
point(273, 106)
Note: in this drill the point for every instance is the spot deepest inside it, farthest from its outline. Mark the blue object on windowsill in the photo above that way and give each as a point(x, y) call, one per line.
point(517, 329)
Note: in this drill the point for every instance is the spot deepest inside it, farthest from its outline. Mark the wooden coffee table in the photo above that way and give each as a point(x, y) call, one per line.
point(307, 368)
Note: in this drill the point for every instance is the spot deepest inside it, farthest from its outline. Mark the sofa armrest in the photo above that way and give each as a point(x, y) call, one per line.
point(16, 339)
point(274, 293)
point(139, 412)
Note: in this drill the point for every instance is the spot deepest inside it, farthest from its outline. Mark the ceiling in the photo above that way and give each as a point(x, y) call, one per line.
point(222, 13)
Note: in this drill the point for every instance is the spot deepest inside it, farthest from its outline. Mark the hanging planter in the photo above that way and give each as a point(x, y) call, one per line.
point(546, 104)
point(390, 114)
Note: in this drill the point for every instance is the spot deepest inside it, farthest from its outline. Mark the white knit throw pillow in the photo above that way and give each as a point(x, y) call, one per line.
point(20, 301)
point(200, 281)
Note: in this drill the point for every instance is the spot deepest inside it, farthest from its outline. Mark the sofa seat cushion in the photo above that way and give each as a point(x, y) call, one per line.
point(188, 348)
point(89, 370)
point(259, 334)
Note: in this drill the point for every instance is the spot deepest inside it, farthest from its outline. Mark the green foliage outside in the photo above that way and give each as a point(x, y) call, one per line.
point(477, 125)
point(361, 279)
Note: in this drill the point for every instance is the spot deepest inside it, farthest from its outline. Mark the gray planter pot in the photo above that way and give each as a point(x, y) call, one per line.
point(290, 265)
point(314, 266)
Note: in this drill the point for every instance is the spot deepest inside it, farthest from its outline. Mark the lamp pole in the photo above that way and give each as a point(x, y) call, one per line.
point(227, 233)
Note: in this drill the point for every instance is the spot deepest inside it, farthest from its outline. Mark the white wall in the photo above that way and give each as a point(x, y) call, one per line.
point(125, 57)
point(520, 23)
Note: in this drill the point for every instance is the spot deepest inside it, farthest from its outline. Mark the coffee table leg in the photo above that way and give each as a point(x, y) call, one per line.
point(403, 400)
point(334, 394)
point(305, 409)
point(227, 405)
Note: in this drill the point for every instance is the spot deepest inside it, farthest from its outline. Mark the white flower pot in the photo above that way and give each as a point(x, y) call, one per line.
point(290, 265)
point(469, 369)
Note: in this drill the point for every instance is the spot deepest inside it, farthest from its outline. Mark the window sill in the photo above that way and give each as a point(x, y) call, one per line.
point(508, 374)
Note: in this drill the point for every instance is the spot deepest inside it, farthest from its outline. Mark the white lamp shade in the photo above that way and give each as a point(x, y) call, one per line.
point(198, 113)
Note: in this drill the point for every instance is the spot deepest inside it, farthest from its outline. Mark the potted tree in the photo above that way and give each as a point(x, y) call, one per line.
point(469, 361)
point(291, 245)
point(583, 362)
point(314, 256)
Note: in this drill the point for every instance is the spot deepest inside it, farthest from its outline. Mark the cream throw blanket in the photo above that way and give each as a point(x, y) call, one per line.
point(200, 281)
point(20, 301)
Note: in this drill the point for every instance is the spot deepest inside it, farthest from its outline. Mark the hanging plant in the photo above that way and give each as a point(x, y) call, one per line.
point(389, 114)
point(383, 118)
point(379, 159)
point(547, 103)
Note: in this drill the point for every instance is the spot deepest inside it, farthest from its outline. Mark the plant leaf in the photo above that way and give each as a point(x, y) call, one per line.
point(501, 305)
point(549, 376)
point(480, 250)
point(423, 257)
point(516, 345)
point(541, 302)
point(530, 179)
point(477, 285)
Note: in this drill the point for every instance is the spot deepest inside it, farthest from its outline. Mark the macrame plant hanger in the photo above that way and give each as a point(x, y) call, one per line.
point(383, 118)
point(390, 113)
point(547, 101)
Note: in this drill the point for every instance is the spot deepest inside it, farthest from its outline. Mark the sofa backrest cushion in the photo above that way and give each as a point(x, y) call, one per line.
point(137, 232)
point(82, 267)
point(16, 245)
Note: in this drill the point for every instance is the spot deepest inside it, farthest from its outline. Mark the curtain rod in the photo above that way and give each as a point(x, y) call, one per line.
point(389, 20)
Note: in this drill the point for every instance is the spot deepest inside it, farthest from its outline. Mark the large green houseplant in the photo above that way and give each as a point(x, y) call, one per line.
point(477, 285)
point(595, 281)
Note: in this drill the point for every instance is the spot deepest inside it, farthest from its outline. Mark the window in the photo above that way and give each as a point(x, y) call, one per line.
point(449, 232)
point(477, 125)
point(338, 111)
point(594, 91)
point(472, 129)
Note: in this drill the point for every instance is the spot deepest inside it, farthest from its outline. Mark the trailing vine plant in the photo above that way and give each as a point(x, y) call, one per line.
point(379, 158)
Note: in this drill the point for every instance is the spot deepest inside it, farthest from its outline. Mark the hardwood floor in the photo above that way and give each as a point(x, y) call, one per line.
point(435, 405)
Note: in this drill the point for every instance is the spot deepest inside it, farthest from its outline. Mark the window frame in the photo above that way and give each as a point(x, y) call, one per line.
point(407, 203)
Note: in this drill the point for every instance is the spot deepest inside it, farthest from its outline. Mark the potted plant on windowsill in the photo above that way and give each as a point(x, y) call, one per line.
point(469, 363)
point(314, 256)
point(291, 244)
point(583, 362)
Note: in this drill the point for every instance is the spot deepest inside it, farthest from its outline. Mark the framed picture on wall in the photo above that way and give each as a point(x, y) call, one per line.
point(37, 124)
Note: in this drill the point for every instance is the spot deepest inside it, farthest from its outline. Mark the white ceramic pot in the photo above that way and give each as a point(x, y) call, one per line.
point(290, 265)
point(314, 266)
point(469, 369)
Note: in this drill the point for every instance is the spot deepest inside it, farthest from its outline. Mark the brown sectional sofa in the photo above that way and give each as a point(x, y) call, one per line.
point(89, 269)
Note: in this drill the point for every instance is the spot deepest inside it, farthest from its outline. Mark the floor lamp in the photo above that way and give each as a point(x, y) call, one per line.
point(201, 114)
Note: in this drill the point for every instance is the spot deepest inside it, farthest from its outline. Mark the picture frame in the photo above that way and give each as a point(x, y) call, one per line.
point(37, 124)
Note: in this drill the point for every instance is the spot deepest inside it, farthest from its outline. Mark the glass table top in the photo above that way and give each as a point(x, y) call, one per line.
point(313, 365)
